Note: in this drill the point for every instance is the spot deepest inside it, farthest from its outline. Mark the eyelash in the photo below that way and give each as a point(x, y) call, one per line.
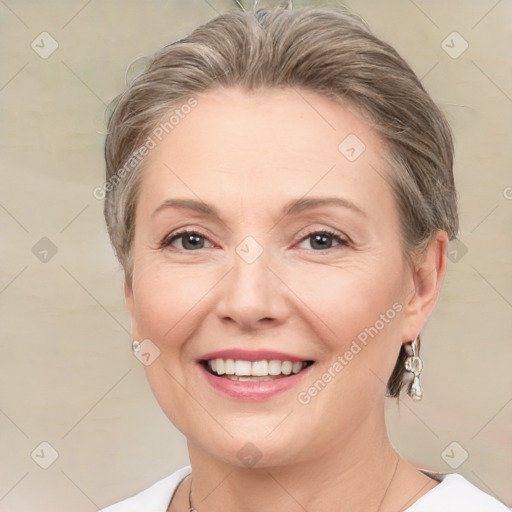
point(168, 240)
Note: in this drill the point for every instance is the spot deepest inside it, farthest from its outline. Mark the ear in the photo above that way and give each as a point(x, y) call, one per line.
point(424, 285)
point(130, 304)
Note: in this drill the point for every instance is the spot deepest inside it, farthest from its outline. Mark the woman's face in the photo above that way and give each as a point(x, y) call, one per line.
point(258, 276)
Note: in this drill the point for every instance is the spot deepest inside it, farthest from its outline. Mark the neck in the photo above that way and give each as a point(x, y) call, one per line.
point(351, 473)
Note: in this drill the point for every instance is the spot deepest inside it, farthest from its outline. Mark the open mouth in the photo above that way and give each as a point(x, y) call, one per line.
point(253, 371)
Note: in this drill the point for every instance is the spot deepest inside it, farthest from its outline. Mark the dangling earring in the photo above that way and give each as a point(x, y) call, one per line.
point(414, 365)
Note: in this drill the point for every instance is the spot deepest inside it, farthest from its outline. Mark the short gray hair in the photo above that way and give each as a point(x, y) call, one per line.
point(323, 50)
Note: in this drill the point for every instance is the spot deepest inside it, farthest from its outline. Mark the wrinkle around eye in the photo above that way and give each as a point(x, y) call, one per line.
point(350, 233)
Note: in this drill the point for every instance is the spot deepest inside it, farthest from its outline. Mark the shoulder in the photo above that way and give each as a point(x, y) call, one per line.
point(153, 499)
point(456, 494)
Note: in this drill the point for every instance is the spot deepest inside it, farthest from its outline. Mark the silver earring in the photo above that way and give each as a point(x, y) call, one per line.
point(414, 365)
point(135, 347)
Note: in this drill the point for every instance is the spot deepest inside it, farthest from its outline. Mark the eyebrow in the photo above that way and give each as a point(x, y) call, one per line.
point(291, 207)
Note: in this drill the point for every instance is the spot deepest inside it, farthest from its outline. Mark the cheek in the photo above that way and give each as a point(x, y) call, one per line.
point(341, 301)
point(355, 315)
point(168, 300)
point(349, 298)
point(168, 303)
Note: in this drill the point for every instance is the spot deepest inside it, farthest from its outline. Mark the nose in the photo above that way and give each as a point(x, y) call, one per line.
point(253, 296)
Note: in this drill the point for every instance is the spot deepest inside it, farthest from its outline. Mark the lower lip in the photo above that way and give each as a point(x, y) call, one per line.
point(256, 390)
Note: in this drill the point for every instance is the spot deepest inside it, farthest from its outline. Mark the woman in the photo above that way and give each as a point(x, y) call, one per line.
point(280, 195)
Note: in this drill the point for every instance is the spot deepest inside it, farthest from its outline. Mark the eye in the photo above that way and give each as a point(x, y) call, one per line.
point(191, 240)
point(322, 240)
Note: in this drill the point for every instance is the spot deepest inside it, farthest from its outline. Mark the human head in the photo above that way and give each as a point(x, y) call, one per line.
point(325, 51)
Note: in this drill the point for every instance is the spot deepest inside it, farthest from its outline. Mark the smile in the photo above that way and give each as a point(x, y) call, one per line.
point(252, 380)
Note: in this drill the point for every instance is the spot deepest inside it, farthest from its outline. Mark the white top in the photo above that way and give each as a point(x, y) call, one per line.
point(453, 494)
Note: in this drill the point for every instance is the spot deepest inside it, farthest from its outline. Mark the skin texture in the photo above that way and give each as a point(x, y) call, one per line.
point(247, 154)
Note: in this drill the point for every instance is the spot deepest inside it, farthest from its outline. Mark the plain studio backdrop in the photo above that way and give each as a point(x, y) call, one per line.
point(80, 427)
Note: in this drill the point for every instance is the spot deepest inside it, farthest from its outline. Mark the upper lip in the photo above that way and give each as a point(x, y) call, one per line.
point(252, 355)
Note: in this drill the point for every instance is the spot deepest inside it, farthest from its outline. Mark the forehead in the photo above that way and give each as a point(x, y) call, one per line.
point(265, 144)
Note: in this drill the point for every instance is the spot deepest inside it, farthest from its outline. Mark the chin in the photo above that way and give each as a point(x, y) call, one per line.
point(255, 449)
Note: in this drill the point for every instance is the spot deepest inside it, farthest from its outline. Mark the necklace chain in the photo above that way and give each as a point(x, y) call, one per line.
point(389, 484)
point(192, 509)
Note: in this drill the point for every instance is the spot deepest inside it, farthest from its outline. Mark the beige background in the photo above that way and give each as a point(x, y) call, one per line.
point(67, 373)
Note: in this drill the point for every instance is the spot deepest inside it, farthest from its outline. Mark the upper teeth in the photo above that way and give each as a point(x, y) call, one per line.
point(255, 368)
